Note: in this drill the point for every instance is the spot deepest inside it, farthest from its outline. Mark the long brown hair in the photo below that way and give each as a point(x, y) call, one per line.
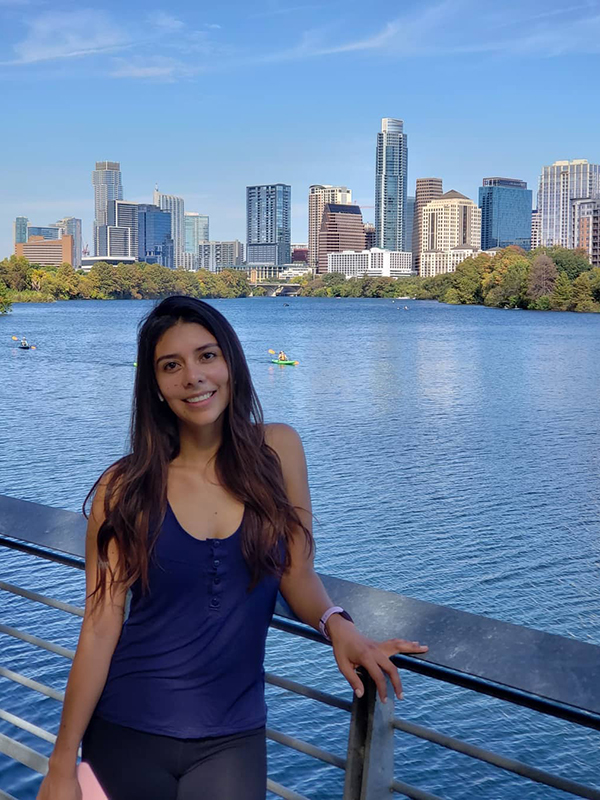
point(135, 498)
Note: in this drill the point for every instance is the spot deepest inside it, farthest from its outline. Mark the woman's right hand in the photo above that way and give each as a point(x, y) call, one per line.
point(57, 786)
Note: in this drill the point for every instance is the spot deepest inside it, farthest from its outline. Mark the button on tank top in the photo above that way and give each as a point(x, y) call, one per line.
point(189, 661)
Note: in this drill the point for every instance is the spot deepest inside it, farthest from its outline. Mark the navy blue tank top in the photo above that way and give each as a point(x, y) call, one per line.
point(189, 662)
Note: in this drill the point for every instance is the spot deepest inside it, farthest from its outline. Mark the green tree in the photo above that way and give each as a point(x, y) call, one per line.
point(468, 277)
point(5, 304)
point(561, 297)
point(571, 262)
point(15, 273)
point(452, 297)
point(583, 299)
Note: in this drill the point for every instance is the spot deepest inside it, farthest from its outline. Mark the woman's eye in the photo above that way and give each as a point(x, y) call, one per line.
point(170, 365)
point(209, 356)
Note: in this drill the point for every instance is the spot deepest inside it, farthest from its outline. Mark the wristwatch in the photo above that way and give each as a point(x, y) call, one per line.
point(333, 610)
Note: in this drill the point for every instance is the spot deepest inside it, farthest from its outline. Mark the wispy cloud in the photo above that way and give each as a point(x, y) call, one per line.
point(165, 21)
point(156, 68)
point(68, 34)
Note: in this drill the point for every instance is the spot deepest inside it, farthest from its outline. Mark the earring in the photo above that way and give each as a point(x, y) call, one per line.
point(161, 398)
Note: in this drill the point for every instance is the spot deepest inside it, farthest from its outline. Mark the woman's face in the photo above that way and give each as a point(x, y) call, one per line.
point(191, 373)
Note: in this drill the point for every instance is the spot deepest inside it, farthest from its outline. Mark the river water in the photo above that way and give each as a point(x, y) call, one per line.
point(453, 454)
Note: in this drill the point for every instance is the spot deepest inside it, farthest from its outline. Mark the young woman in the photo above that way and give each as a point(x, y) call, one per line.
point(206, 518)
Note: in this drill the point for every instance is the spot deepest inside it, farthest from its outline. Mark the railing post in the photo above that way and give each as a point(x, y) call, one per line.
point(370, 759)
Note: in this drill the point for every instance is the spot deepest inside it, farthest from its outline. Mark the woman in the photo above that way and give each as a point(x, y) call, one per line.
point(205, 519)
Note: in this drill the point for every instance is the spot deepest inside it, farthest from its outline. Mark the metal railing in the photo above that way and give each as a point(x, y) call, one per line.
point(58, 536)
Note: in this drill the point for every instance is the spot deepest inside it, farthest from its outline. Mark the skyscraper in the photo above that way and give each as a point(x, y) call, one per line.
point(535, 230)
point(560, 184)
point(20, 229)
point(119, 237)
point(586, 228)
point(155, 245)
point(391, 171)
point(175, 205)
point(450, 232)
point(505, 205)
point(409, 217)
point(215, 256)
point(318, 195)
point(427, 189)
point(268, 224)
point(72, 227)
point(196, 231)
point(106, 179)
point(369, 235)
point(341, 229)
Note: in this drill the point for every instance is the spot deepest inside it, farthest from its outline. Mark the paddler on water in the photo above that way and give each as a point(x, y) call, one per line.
point(282, 356)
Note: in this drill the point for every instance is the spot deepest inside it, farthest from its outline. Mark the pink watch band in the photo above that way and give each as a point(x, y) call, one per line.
point(325, 617)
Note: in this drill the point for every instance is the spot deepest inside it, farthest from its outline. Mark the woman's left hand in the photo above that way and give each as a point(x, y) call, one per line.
point(351, 650)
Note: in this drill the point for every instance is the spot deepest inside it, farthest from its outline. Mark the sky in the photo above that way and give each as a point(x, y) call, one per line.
point(205, 99)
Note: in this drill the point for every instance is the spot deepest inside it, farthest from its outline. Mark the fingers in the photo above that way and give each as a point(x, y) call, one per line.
point(392, 646)
point(352, 677)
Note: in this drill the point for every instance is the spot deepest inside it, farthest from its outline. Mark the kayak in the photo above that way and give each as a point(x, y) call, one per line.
point(284, 363)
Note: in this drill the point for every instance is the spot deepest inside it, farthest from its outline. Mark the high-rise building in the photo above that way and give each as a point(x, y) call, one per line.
point(586, 228)
point(72, 227)
point(391, 170)
point(299, 252)
point(268, 224)
point(450, 223)
point(536, 238)
point(369, 235)
point(106, 179)
point(215, 256)
point(46, 252)
point(505, 205)
point(342, 229)
point(318, 195)
point(175, 205)
point(119, 237)
point(196, 231)
point(560, 184)
point(427, 189)
point(155, 245)
point(409, 217)
point(20, 229)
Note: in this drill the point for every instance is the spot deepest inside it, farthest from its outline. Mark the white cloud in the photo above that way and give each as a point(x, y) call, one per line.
point(68, 34)
point(165, 21)
point(157, 68)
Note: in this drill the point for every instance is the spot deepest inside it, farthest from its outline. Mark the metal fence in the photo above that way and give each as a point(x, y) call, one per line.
point(562, 678)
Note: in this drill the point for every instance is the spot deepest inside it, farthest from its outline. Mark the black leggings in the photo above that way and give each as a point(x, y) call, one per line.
point(133, 765)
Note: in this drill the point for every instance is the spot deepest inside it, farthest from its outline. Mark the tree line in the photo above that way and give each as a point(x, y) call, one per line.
point(551, 278)
point(547, 279)
point(21, 281)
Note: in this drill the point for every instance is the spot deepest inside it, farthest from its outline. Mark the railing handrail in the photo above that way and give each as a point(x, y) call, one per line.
point(553, 674)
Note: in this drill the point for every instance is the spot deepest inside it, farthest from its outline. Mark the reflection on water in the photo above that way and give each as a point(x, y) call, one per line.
point(453, 457)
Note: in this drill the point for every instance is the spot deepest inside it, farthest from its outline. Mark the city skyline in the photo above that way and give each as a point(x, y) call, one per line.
point(111, 91)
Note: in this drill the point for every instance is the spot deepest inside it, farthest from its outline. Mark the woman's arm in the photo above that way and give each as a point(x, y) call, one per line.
point(305, 593)
point(100, 631)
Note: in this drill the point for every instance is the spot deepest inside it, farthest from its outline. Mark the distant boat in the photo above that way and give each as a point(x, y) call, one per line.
point(24, 344)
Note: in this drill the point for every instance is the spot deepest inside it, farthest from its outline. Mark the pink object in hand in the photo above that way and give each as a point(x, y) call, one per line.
point(90, 788)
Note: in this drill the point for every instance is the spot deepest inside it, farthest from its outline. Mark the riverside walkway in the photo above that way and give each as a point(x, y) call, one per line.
point(551, 674)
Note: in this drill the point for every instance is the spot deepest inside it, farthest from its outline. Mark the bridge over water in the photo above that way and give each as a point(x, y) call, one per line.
point(279, 289)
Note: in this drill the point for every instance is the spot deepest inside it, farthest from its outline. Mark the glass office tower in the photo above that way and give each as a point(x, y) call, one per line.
point(155, 243)
point(391, 172)
point(268, 224)
point(506, 205)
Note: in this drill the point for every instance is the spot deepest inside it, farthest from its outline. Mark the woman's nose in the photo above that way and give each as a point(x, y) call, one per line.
point(194, 373)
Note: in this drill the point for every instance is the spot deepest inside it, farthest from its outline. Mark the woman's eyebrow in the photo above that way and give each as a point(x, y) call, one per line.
point(197, 350)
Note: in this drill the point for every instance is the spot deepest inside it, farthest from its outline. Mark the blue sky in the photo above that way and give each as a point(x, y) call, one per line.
point(205, 99)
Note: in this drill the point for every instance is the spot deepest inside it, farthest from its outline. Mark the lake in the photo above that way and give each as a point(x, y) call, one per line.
point(454, 456)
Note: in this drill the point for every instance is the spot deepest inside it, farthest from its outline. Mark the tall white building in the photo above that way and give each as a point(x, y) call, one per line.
point(536, 239)
point(560, 184)
point(450, 227)
point(391, 174)
point(119, 237)
point(318, 196)
point(174, 204)
point(371, 263)
point(106, 180)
